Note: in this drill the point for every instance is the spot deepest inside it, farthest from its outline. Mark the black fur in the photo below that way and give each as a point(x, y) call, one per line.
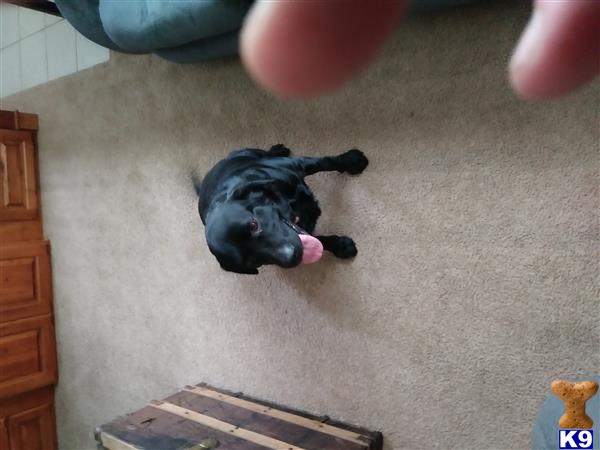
point(254, 203)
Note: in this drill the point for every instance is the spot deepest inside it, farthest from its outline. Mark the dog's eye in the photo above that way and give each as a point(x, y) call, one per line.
point(254, 227)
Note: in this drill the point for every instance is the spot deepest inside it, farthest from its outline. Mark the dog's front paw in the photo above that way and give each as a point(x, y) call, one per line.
point(353, 162)
point(344, 247)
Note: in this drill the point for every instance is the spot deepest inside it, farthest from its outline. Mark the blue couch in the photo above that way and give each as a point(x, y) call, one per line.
point(180, 31)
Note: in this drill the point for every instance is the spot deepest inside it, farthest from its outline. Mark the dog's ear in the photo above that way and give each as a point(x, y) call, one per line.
point(269, 185)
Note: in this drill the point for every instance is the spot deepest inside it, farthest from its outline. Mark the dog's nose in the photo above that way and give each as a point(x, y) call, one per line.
point(290, 254)
point(287, 251)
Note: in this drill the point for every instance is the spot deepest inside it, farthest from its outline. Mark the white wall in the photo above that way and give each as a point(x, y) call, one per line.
point(37, 48)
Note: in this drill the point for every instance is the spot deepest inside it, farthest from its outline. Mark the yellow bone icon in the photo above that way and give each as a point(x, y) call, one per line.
point(574, 396)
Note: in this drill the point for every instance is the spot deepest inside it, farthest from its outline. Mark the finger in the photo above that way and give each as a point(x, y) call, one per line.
point(303, 48)
point(559, 50)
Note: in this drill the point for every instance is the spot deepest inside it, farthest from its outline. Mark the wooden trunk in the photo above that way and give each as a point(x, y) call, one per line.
point(204, 417)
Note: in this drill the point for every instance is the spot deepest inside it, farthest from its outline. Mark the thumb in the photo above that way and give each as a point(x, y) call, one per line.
point(304, 48)
point(559, 50)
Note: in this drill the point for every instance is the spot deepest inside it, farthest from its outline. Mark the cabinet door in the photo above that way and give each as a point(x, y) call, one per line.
point(27, 355)
point(25, 280)
point(32, 429)
point(18, 177)
point(27, 421)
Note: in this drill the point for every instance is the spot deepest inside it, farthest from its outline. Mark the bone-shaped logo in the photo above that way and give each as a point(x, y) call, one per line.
point(574, 396)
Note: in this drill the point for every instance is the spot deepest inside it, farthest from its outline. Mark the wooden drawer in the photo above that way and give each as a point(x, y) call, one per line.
point(27, 355)
point(18, 176)
point(27, 421)
point(25, 280)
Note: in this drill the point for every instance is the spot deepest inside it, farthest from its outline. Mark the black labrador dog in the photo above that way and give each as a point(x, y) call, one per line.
point(254, 204)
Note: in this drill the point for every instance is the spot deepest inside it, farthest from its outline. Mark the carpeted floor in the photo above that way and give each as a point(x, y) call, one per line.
point(477, 224)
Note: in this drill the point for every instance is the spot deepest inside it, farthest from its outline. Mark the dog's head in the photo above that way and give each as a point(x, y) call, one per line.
point(252, 228)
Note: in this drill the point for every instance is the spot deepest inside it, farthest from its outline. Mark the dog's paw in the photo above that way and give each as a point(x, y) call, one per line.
point(279, 150)
point(353, 162)
point(344, 247)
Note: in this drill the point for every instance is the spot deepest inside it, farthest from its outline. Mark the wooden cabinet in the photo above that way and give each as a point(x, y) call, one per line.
point(28, 370)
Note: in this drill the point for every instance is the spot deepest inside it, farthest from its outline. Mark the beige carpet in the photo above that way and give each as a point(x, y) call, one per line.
point(477, 224)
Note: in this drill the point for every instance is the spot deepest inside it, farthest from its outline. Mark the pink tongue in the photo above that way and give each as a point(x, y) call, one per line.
point(313, 249)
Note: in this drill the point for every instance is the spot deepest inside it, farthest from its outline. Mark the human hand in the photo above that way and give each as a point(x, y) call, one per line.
point(303, 48)
point(559, 50)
